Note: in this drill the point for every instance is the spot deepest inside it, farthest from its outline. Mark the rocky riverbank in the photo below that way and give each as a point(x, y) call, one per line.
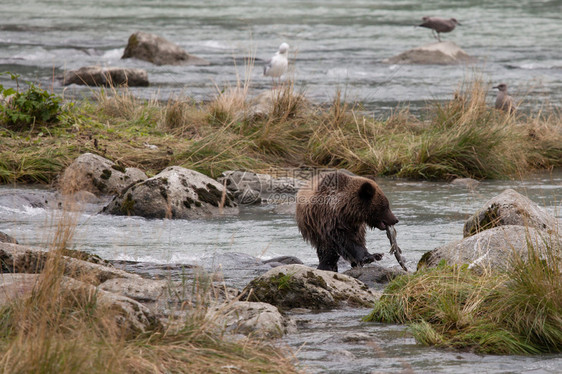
point(505, 225)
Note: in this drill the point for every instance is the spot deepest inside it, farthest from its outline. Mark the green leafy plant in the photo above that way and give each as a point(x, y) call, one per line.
point(23, 109)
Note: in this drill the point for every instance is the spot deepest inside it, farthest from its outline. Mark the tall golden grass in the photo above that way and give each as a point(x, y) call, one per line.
point(463, 137)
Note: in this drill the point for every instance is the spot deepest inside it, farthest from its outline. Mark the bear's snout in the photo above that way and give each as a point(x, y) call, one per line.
point(388, 219)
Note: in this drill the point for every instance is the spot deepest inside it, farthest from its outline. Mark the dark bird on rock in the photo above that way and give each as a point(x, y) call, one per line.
point(439, 25)
point(504, 101)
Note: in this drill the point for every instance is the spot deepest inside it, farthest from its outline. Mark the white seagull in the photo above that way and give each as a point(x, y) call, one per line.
point(278, 64)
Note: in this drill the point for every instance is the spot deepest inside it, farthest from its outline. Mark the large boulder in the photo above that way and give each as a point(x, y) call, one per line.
point(509, 208)
point(106, 76)
point(98, 175)
point(159, 51)
point(256, 319)
point(249, 187)
point(176, 192)
point(16, 258)
point(299, 286)
point(440, 53)
point(492, 249)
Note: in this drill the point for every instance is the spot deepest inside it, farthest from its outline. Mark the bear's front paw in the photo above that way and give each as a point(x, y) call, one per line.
point(371, 258)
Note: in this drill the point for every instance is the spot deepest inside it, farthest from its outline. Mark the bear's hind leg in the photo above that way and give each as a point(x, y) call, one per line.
point(328, 260)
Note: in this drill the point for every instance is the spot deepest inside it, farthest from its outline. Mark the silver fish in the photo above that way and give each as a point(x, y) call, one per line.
point(394, 248)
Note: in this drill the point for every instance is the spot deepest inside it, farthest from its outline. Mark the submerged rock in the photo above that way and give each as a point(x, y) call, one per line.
point(467, 183)
point(159, 51)
point(299, 286)
point(509, 208)
point(5, 238)
point(176, 192)
point(283, 260)
point(492, 249)
point(373, 274)
point(440, 53)
point(98, 175)
point(16, 258)
point(106, 76)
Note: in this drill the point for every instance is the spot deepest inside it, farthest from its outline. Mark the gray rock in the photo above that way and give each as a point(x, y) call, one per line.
point(255, 319)
point(130, 314)
point(106, 76)
point(84, 197)
point(146, 291)
point(262, 187)
point(509, 208)
point(98, 175)
point(16, 258)
point(34, 199)
point(298, 286)
point(176, 193)
point(467, 183)
point(440, 53)
point(159, 51)
point(373, 274)
point(285, 260)
point(16, 286)
point(5, 238)
point(492, 249)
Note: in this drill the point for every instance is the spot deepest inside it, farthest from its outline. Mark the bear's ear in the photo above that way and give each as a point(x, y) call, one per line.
point(366, 191)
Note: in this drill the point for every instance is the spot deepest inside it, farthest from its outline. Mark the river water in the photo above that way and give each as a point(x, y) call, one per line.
point(335, 44)
point(431, 214)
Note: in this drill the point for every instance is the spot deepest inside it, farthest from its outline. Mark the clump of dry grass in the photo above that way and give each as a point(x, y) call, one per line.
point(183, 118)
point(119, 103)
point(463, 138)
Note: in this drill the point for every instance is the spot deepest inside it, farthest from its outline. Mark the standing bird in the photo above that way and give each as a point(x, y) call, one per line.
point(439, 25)
point(278, 64)
point(504, 101)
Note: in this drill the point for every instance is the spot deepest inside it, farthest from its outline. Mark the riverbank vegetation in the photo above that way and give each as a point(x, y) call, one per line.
point(516, 312)
point(463, 137)
point(60, 326)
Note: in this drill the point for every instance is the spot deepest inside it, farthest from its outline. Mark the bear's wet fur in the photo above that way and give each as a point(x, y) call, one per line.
point(333, 212)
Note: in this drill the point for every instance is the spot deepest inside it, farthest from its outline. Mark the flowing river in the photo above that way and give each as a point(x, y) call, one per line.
point(431, 214)
point(334, 45)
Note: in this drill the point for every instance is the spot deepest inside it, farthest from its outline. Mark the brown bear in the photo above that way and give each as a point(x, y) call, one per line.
point(333, 212)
